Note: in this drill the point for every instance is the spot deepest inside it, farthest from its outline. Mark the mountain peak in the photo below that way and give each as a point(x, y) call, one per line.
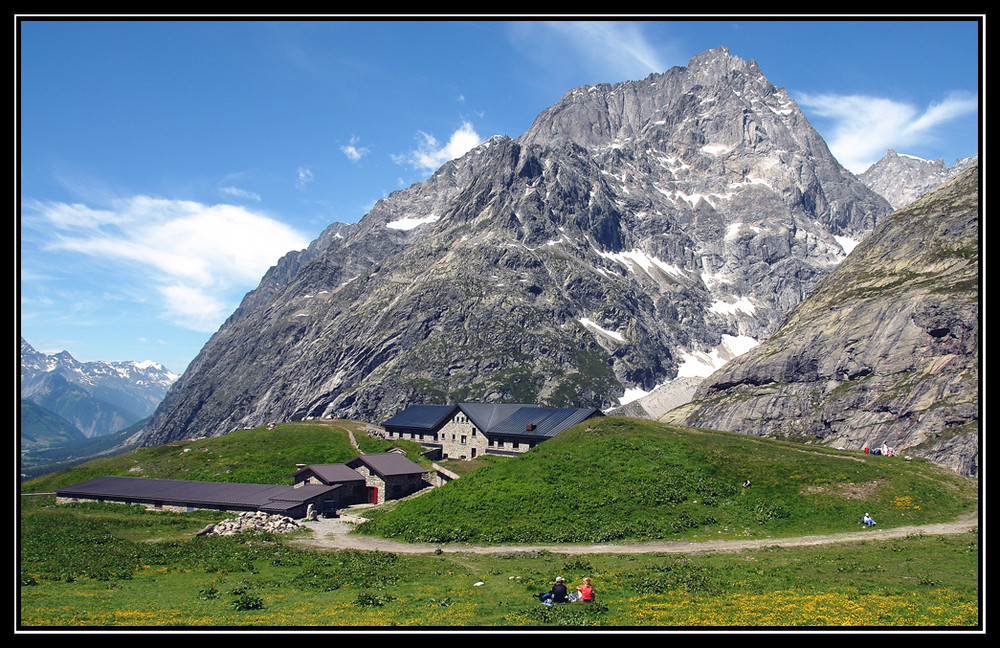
point(633, 231)
point(718, 61)
point(726, 89)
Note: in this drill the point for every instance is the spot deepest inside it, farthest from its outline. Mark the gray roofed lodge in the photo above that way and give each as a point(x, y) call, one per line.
point(469, 430)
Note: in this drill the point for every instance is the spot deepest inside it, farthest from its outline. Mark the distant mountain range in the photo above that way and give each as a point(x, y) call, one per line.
point(65, 401)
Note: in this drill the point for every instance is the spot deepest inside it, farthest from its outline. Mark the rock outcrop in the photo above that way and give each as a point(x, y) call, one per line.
point(885, 351)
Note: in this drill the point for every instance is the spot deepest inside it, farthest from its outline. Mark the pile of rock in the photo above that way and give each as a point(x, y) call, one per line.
point(252, 520)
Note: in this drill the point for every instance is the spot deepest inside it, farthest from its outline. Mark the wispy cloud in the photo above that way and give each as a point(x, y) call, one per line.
point(610, 50)
point(195, 261)
point(353, 151)
point(236, 192)
point(304, 177)
point(431, 154)
point(862, 127)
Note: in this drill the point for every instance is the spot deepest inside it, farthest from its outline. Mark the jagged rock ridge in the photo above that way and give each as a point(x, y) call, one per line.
point(901, 179)
point(885, 351)
point(631, 229)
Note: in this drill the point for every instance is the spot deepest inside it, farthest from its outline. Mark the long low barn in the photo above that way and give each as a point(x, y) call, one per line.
point(324, 487)
point(182, 495)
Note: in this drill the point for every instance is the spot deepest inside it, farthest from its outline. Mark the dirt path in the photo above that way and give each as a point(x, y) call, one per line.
point(334, 534)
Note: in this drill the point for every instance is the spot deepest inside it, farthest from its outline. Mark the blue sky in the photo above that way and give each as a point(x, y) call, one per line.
point(165, 165)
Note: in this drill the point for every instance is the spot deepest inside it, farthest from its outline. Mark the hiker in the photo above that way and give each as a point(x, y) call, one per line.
point(746, 484)
point(867, 520)
point(586, 591)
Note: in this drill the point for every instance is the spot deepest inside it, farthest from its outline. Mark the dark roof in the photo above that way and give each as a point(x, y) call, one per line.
point(332, 473)
point(524, 420)
point(179, 491)
point(486, 416)
point(421, 417)
point(388, 464)
point(541, 422)
point(294, 497)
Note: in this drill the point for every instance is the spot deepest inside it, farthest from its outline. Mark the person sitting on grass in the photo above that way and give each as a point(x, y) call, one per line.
point(586, 591)
point(558, 590)
point(867, 520)
point(557, 594)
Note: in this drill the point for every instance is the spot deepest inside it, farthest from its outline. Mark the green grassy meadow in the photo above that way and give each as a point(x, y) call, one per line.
point(104, 565)
point(618, 479)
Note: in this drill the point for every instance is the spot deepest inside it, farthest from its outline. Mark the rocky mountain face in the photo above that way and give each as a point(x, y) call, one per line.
point(633, 230)
point(885, 351)
point(98, 398)
point(901, 179)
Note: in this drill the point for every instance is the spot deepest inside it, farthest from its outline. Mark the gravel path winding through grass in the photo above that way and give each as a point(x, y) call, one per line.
point(334, 534)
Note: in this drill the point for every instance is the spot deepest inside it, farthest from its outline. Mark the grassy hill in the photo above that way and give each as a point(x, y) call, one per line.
point(617, 479)
point(257, 456)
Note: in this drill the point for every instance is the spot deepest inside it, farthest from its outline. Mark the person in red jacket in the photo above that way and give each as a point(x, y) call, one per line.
point(586, 591)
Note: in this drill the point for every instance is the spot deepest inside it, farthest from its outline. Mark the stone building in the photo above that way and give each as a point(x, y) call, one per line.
point(389, 476)
point(470, 430)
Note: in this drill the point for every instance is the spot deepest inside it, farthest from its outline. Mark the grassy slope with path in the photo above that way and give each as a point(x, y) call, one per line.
point(763, 570)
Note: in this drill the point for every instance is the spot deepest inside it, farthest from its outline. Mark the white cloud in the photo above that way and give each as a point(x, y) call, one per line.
point(200, 259)
point(353, 151)
point(431, 154)
point(864, 127)
point(305, 176)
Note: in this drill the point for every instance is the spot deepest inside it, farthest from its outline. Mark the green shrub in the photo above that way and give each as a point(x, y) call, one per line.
point(248, 601)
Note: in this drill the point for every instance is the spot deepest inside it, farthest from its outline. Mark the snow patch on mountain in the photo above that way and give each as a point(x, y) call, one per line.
point(741, 305)
point(412, 223)
point(633, 258)
point(847, 243)
point(591, 324)
point(702, 364)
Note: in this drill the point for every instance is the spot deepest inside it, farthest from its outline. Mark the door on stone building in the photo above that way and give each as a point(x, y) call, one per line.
point(373, 494)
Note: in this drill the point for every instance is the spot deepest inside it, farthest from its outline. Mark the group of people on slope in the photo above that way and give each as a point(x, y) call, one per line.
point(885, 450)
point(561, 594)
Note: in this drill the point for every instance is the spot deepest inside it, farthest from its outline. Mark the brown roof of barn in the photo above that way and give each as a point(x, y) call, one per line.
point(388, 464)
point(332, 473)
